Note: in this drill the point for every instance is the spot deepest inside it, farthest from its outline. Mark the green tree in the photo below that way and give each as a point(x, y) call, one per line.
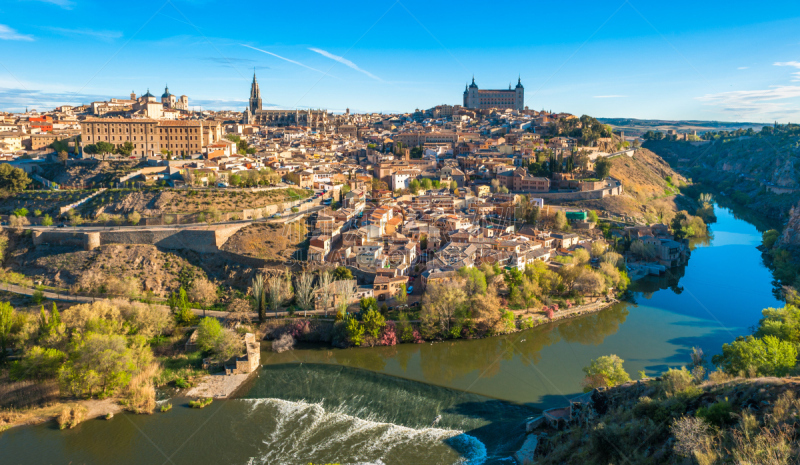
point(453, 186)
point(209, 334)
point(602, 168)
point(605, 371)
point(593, 216)
point(426, 184)
point(260, 296)
point(767, 356)
point(38, 364)
point(97, 361)
point(768, 238)
point(6, 322)
point(342, 273)
point(126, 149)
point(134, 218)
point(783, 323)
point(373, 322)
point(104, 148)
point(475, 280)
point(63, 156)
point(414, 186)
point(13, 179)
point(354, 331)
point(368, 303)
point(20, 212)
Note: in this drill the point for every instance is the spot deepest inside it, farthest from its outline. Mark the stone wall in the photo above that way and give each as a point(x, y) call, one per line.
point(197, 239)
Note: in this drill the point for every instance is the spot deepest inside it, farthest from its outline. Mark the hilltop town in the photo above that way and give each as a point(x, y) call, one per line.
point(457, 221)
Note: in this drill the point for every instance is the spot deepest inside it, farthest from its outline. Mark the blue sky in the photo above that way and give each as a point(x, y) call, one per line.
point(731, 61)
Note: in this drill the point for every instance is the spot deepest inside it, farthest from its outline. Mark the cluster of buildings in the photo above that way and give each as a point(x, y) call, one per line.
point(416, 194)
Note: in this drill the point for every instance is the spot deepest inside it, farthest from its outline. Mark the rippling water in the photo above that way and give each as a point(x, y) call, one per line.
point(453, 402)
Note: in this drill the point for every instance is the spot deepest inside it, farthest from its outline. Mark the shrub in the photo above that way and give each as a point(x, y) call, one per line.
point(676, 380)
point(201, 403)
point(355, 332)
point(182, 383)
point(767, 356)
point(692, 437)
point(69, 417)
point(605, 371)
point(389, 335)
point(37, 297)
point(717, 414)
point(166, 408)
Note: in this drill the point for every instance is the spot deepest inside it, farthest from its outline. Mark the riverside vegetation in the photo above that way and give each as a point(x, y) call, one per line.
point(117, 349)
point(747, 411)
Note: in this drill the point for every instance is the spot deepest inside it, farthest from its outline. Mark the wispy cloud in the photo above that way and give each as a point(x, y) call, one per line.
point(7, 33)
point(345, 62)
point(107, 36)
point(791, 64)
point(609, 96)
point(283, 58)
point(764, 102)
point(65, 4)
point(743, 67)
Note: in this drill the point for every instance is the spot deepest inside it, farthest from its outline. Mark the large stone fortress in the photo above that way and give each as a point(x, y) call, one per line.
point(255, 114)
point(477, 99)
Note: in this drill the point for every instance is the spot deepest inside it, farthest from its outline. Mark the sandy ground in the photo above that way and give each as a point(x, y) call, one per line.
point(95, 409)
point(218, 386)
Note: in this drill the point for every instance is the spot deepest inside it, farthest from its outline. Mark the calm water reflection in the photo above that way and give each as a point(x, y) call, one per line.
point(457, 402)
point(716, 297)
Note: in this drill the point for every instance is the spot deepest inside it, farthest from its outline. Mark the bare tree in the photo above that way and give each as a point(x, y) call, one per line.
point(259, 296)
point(238, 312)
point(326, 289)
point(345, 293)
point(304, 291)
point(203, 292)
point(278, 291)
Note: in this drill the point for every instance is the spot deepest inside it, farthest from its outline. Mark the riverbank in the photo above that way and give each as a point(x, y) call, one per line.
point(94, 408)
point(220, 386)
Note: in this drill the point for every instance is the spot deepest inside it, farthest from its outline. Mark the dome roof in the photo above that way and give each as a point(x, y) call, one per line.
point(473, 85)
point(148, 94)
point(166, 92)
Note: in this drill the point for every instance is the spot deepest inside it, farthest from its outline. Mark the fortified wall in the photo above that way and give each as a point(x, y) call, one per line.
point(199, 239)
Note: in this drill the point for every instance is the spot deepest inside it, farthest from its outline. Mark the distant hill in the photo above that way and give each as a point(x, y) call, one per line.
point(761, 171)
point(637, 127)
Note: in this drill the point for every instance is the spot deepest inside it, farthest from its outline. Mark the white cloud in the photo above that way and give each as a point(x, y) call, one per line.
point(6, 33)
point(101, 35)
point(743, 67)
point(345, 62)
point(283, 58)
point(792, 64)
point(609, 96)
point(764, 102)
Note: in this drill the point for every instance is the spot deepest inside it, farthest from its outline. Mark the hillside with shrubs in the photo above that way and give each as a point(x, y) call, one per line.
point(740, 407)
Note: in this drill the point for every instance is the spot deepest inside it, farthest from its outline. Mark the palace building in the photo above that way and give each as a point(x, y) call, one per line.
point(152, 137)
point(477, 99)
point(255, 114)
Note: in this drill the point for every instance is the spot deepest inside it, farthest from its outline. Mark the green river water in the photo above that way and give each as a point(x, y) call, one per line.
point(452, 402)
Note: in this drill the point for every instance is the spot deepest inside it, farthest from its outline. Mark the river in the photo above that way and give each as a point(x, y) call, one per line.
point(452, 402)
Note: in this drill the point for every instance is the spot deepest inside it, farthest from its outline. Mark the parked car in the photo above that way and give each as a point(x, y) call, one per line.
point(410, 289)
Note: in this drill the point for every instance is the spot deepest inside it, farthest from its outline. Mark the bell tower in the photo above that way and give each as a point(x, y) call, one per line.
point(255, 95)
